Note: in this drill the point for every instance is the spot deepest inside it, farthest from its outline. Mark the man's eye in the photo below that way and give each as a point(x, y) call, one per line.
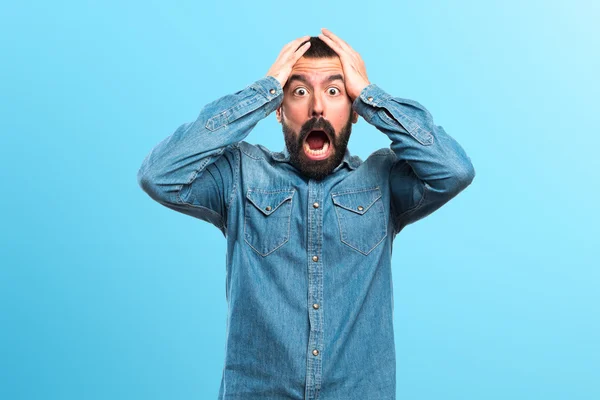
point(300, 91)
point(333, 91)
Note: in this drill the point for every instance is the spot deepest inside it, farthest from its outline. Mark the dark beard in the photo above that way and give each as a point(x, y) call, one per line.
point(316, 169)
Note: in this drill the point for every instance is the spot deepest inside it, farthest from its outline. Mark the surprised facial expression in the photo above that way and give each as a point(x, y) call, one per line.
point(316, 116)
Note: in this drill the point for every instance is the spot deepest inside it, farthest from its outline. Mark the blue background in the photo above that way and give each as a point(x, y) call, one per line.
point(105, 294)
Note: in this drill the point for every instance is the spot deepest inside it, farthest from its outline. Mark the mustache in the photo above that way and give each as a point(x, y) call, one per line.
point(320, 124)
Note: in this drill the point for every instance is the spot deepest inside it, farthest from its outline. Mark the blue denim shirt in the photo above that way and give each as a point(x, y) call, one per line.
point(309, 279)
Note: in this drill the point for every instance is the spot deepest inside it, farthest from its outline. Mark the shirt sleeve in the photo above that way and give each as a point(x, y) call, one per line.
point(430, 166)
point(194, 170)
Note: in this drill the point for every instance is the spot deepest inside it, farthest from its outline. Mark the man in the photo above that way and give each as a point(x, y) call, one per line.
point(309, 230)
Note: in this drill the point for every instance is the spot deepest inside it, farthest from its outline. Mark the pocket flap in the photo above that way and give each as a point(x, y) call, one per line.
point(268, 201)
point(358, 201)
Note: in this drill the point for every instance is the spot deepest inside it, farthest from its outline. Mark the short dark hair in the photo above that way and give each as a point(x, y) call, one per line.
point(318, 49)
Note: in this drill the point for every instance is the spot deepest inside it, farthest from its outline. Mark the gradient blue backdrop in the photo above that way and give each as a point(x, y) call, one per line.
point(105, 294)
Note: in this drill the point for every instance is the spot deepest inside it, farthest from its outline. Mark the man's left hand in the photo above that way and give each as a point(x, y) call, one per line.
point(355, 72)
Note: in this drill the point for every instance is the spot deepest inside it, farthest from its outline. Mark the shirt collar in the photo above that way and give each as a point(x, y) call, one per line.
point(351, 161)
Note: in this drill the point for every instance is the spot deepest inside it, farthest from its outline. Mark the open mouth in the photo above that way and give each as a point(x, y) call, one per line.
point(317, 145)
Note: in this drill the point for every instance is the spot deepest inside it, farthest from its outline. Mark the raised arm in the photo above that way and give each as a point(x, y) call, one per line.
point(430, 167)
point(194, 170)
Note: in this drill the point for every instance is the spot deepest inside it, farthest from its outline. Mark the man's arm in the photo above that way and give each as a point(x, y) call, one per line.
point(431, 167)
point(194, 171)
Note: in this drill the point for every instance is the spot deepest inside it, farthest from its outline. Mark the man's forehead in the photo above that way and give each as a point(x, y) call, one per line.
point(318, 66)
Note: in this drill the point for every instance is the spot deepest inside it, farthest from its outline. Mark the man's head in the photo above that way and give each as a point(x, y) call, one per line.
point(316, 112)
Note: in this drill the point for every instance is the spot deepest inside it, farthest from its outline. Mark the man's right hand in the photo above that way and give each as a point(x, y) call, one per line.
point(290, 53)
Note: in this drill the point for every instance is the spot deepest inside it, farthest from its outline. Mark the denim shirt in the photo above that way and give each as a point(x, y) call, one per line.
point(308, 274)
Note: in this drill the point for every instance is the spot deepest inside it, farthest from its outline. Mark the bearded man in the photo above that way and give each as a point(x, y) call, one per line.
point(310, 229)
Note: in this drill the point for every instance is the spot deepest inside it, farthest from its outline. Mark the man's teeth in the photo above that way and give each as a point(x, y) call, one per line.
point(319, 152)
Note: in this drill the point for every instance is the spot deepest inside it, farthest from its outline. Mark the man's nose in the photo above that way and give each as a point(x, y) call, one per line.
point(317, 108)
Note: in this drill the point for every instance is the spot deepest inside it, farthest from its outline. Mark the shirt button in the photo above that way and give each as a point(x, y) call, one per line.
point(268, 208)
point(370, 98)
point(315, 352)
point(315, 258)
point(360, 208)
point(316, 306)
point(272, 91)
point(316, 205)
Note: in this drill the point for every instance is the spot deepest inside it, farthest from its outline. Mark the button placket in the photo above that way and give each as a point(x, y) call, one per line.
point(315, 286)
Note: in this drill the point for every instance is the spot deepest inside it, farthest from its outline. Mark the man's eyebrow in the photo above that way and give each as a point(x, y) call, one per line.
point(303, 79)
point(335, 77)
point(296, 77)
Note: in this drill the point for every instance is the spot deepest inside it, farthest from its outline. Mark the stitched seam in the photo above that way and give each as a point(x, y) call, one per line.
point(284, 242)
point(225, 114)
point(194, 175)
point(419, 204)
point(348, 244)
point(251, 155)
point(411, 120)
point(242, 104)
point(265, 254)
point(337, 194)
point(393, 122)
point(372, 248)
point(354, 191)
point(235, 175)
point(345, 207)
point(274, 209)
point(393, 218)
point(261, 90)
point(211, 121)
point(414, 208)
point(271, 191)
point(380, 155)
point(222, 225)
point(201, 167)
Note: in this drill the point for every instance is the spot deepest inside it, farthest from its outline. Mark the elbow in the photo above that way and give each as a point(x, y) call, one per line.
point(143, 176)
point(149, 185)
point(464, 175)
point(145, 181)
point(158, 188)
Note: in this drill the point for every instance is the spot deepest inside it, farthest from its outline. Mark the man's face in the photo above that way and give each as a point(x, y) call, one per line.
point(316, 115)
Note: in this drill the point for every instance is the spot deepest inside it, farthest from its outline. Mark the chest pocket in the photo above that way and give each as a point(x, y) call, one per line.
point(361, 218)
point(267, 219)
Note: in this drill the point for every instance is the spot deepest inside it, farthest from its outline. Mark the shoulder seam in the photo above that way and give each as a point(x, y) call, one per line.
point(244, 149)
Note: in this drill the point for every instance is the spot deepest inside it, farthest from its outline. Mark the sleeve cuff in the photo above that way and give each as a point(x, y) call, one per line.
point(271, 90)
point(371, 96)
point(269, 87)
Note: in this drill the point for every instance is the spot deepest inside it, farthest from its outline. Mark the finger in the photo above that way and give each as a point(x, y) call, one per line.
point(302, 43)
point(299, 53)
point(296, 42)
point(293, 46)
point(334, 45)
point(350, 55)
point(336, 39)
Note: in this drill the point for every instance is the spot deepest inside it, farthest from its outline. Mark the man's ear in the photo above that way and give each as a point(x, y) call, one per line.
point(278, 114)
point(354, 117)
